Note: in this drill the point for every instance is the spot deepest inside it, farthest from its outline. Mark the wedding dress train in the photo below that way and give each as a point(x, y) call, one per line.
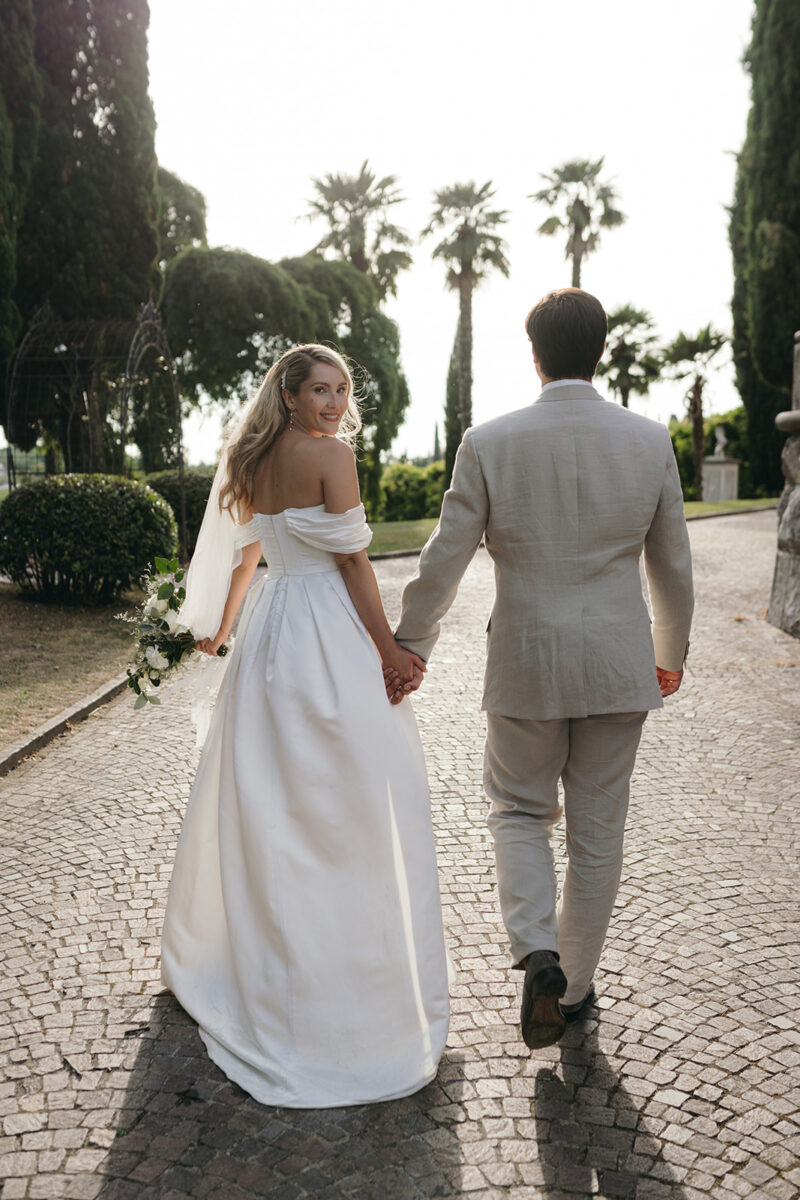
point(303, 929)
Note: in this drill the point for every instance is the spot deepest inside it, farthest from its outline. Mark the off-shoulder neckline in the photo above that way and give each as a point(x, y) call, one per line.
point(307, 508)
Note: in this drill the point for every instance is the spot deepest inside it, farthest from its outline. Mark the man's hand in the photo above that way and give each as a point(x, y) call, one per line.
point(403, 672)
point(669, 681)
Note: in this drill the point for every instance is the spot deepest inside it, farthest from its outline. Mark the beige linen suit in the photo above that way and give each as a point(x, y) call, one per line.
point(568, 493)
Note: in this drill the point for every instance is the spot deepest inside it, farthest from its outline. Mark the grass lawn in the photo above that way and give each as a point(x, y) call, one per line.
point(54, 655)
point(400, 535)
point(412, 535)
point(699, 508)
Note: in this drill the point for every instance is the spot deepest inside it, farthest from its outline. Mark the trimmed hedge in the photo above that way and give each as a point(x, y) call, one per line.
point(197, 483)
point(82, 539)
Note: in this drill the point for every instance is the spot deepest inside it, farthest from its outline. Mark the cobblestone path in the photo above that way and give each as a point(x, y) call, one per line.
point(683, 1083)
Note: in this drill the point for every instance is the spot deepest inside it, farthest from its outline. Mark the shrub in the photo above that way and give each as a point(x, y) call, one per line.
point(410, 493)
point(434, 488)
point(734, 424)
point(82, 539)
point(197, 483)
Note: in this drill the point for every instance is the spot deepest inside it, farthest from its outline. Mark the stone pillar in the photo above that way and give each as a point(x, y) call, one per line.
point(784, 605)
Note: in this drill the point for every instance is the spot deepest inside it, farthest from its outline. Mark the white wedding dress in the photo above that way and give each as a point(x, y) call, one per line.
point(303, 929)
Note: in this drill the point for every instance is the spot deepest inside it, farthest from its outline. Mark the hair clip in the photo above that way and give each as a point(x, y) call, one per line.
point(283, 381)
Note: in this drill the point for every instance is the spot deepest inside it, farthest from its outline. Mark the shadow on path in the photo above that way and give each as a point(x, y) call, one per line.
point(186, 1131)
point(592, 1137)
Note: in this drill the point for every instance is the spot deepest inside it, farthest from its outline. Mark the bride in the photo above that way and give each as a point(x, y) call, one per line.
point(303, 929)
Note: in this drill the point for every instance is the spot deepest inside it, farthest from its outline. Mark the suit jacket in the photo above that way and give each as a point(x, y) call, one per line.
point(567, 493)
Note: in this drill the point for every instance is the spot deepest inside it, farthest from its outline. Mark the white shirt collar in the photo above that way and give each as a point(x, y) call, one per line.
point(554, 383)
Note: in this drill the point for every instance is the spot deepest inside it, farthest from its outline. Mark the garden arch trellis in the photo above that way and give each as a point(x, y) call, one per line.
point(66, 361)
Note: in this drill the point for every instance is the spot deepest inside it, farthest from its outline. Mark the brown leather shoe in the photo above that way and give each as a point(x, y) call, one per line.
point(540, 1016)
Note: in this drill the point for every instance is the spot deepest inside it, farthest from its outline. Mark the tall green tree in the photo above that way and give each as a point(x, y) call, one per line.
point(20, 99)
point(470, 248)
point(765, 234)
point(264, 308)
point(356, 209)
point(181, 216)
point(690, 358)
point(631, 363)
point(586, 205)
point(88, 243)
point(268, 307)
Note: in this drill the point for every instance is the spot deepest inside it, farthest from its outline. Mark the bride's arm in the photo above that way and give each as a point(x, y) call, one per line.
point(240, 582)
point(340, 489)
point(360, 581)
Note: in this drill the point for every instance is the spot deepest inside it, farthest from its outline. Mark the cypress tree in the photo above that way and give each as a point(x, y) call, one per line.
point(765, 234)
point(89, 238)
point(88, 241)
point(452, 415)
point(20, 97)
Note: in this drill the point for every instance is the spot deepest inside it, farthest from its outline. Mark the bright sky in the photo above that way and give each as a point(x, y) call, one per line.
point(254, 99)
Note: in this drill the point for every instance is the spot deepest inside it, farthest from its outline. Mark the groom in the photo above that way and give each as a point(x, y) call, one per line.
point(567, 492)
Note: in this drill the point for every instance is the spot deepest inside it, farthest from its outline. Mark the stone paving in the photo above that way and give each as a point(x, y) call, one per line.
point(684, 1081)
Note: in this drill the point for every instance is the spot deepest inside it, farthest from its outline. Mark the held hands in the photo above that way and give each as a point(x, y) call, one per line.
point(668, 681)
point(403, 672)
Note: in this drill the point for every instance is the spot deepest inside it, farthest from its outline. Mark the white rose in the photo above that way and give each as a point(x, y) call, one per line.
point(171, 617)
point(155, 607)
point(155, 659)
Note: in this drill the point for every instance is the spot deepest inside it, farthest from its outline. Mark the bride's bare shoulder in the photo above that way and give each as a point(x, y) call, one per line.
point(331, 451)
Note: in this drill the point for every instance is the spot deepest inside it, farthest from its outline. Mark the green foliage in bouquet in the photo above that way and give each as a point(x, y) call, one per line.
point(197, 483)
point(161, 644)
point(82, 539)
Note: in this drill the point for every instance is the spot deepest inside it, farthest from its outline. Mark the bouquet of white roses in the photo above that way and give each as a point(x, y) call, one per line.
point(161, 644)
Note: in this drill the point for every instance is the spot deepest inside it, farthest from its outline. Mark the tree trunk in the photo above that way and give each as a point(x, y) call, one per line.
point(358, 246)
point(97, 450)
point(577, 254)
point(465, 349)
point(698, 433)
point(623, 395)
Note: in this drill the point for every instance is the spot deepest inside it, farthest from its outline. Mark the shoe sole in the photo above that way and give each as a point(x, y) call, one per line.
point(545, 1023)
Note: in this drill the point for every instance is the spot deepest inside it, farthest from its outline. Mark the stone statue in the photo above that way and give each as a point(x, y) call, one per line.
point(784, 605)
point(722, 441)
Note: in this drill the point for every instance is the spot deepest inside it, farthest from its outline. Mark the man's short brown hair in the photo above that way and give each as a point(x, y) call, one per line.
point(568, 331)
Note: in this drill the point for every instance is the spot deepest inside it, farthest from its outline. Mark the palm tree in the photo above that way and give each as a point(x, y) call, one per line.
point(690, 357)
point(355, 207)
point(470, 247)
point(587, 205)
point(630, 362)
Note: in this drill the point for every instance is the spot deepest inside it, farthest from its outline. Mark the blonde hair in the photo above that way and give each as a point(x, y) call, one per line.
point(267, 416)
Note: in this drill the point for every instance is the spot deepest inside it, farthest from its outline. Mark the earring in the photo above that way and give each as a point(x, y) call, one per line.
point(291, 418)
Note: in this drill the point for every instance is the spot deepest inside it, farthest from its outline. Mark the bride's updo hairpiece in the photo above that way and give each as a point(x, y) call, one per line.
point(267, 416)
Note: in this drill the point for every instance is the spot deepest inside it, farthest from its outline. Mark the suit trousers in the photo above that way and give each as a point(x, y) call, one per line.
point(524, 760)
